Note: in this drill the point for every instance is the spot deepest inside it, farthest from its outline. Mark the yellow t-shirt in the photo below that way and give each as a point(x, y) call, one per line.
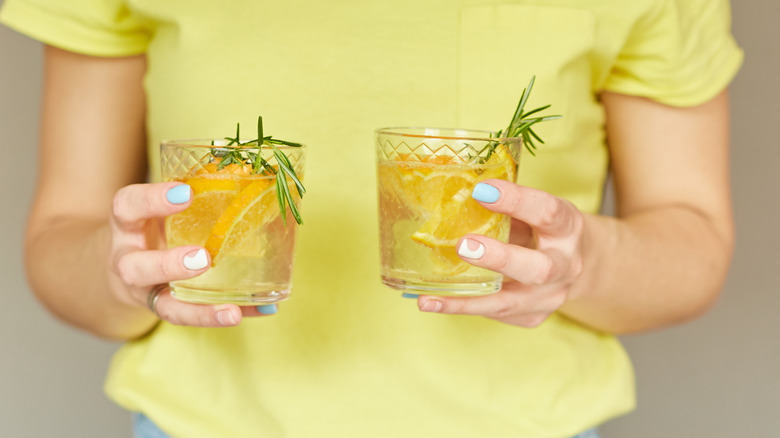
point(346, 356)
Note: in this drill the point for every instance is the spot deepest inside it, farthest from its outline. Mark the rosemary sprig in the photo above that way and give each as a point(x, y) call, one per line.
point(521, 125)
point(249, 152)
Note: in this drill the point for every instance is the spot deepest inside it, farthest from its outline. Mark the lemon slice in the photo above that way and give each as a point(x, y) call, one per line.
point(500, 165)
point(446, 233)
point(445, 195)
point(423, 187)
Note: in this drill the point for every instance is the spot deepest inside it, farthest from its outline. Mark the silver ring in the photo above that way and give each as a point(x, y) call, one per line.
point(154, 295)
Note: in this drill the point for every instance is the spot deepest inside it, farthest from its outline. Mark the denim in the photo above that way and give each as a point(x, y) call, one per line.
point(588, 434)
point(144, 428)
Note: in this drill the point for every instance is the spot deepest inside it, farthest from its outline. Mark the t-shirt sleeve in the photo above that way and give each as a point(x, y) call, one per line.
point(681, 53)
point(89, 27)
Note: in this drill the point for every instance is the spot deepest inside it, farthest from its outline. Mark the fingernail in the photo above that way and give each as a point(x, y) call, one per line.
point(267, 309)
point(485, 193)
point(196, 260)
point(225, 317)
point(471, 249)
point(408, 295)
point(179, 194)
point(431, 306)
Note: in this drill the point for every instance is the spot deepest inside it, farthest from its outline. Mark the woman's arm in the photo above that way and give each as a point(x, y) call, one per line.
point(92, 143)
point(94, 244)
point(663, 259)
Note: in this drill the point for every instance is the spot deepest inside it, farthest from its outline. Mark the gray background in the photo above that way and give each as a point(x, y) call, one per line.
point(715, 377)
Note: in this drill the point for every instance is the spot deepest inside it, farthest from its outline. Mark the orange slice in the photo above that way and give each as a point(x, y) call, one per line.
point(443, 193)
point(454, 212)
point(500, 165)
point(211, 195)
point(236, 231)
point(441, 232)
point(452, 218)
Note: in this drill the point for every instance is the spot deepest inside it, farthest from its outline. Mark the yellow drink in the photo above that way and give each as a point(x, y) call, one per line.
point(425, 207)
point(235, 215)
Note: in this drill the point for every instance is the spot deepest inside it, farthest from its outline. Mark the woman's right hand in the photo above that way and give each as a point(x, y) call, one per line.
point(93, 266)
point(140, 262)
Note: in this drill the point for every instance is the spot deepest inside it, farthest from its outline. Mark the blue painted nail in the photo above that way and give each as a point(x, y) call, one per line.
point(408, 295)
point(179, 194)
point(267, 309)
point(485, 193)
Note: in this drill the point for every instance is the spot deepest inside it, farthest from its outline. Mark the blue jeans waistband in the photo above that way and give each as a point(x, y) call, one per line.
point(143, 427)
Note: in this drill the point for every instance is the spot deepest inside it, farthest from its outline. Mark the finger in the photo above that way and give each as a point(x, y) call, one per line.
point(197, 315)
point(521, 306)
point(136, 203)
point(147, 268)
point(200, 315)
point(527, 266)
point(548, 214)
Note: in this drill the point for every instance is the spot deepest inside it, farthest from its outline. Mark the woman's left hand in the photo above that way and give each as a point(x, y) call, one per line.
point(540, 263)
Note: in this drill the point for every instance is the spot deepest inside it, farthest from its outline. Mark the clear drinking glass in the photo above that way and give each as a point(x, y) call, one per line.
point(235, 215)
point(425, 180)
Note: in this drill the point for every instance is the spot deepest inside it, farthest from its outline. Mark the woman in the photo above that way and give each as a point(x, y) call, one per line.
point(346, 356)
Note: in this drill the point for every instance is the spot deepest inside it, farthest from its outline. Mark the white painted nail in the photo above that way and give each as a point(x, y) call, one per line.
point(465, 251)
point(433, 306)
point(196, 261)
point(226, 318)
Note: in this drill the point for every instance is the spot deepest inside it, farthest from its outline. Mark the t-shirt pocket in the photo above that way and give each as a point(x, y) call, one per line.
point(502, 46)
